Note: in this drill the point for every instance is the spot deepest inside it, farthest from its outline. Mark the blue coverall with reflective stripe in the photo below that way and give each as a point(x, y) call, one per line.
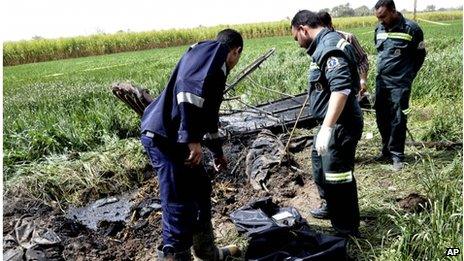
point(186, 112)
point(401, 53)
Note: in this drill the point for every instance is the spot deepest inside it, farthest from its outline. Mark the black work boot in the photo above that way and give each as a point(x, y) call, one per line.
point(382, 157)
point(167, 253)
point(322, 212)
point(204, 247)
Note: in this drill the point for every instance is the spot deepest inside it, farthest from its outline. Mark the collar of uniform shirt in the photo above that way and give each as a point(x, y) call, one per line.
point(313, 45)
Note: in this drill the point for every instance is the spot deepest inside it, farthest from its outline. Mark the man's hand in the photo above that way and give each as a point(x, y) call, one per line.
point(363, 88)
point(220, 163)
point(322, 140)
point(195, 155)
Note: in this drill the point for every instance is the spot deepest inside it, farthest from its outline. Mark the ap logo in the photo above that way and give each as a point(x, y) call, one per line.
point(452, 251)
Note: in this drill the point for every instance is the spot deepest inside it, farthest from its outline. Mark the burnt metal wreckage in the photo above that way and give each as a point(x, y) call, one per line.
point(275, 115)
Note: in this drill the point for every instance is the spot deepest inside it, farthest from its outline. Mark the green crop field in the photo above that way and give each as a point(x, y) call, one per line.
point(64, 130)
point(38, 50)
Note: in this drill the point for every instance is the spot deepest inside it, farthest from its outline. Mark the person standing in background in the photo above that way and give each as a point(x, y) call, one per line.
point(400, 55)
point(361, 55)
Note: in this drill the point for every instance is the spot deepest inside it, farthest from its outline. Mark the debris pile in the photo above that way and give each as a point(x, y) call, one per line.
point(28, 241)
point(266, 152)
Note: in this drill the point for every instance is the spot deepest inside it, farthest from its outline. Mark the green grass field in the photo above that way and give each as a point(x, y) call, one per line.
point(64, 130)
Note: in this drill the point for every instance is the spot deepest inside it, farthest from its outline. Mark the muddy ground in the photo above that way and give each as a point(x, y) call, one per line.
point(290, 185)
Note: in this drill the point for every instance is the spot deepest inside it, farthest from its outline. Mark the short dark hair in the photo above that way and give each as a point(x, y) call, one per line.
point(306, 17)
point(231, 38)
point(325, 18)
point(386, 3)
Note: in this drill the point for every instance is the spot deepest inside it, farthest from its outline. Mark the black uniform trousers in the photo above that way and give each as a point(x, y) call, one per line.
point(185, 193)
point(333, 175)
point(390, 106)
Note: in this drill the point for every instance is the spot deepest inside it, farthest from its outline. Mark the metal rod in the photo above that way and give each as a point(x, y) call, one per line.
point(249, 69)
point(256, 108)
point(296, 122)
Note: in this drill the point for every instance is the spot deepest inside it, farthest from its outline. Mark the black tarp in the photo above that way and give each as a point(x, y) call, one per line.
point(280, 233)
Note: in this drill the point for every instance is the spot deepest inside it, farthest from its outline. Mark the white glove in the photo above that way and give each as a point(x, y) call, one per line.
point(322, 140)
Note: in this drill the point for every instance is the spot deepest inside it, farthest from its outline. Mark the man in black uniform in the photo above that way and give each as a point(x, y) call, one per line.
point(173, 125)
point(401, 53)
point(333, 85)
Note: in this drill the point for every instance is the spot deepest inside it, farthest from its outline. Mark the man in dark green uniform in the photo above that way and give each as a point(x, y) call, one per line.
point(333, 85)
point(401, 53)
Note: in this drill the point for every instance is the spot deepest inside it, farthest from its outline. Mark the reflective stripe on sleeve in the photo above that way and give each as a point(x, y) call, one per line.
point(403, 36)
point(342, 43)
point(342, 177)
point(190, 98)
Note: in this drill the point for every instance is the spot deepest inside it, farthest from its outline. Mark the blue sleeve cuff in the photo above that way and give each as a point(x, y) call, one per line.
point(185, 137)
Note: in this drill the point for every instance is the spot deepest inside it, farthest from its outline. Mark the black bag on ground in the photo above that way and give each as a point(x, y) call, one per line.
point(282, 234)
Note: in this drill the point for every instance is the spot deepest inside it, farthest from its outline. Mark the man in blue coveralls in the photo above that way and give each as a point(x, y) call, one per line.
point(401, 53)
point(173, 127)
point(333, 85)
